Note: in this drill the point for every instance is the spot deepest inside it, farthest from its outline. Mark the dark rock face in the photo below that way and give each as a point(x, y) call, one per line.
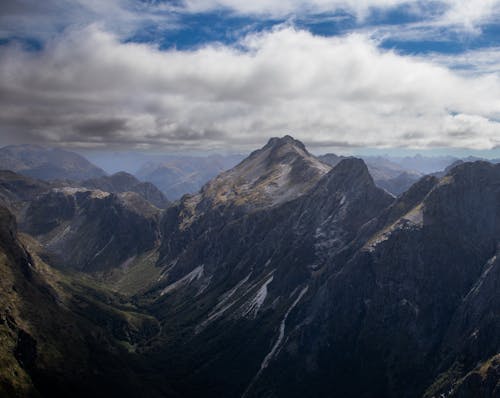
point(124, 182)
point(92, 230)
point(246, 269)
point(47, 163)
point(396, 298)
point(388, 175)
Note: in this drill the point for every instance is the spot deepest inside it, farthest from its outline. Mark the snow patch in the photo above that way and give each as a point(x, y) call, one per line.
point(254, 306)
point(227, 296)
point(195, 274)
point(105, 246)
point(281, 334)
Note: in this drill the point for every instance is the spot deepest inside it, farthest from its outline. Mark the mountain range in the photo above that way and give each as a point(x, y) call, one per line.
point(47, 163)
point(284, 276)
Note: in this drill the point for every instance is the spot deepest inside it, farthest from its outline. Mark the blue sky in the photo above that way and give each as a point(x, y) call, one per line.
point(344, 75)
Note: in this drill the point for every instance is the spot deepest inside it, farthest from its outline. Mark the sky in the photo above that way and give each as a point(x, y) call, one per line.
point(349, 76)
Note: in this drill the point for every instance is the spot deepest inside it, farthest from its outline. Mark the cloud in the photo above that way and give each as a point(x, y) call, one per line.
point(89, 89)
point(43, 20)
point(470, 13)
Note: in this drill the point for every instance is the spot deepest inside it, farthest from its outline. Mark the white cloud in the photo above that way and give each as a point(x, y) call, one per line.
point(88, 88)
point(470, 13)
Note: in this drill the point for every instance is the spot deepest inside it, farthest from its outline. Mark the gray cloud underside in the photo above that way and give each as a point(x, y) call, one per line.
point(88, 88)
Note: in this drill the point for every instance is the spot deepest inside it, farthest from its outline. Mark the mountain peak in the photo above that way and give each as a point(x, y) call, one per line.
point(276, 142)
point(278, 172)
point(349, 173)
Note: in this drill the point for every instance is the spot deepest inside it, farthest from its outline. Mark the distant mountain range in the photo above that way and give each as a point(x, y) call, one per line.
point(178, 175)
point(287, 275)
point(47, 163)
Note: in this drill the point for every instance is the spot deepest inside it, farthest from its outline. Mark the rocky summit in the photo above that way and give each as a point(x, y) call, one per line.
point(282, 277)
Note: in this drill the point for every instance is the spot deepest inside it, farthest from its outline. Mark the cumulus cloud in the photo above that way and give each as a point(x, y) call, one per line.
point(89, 89)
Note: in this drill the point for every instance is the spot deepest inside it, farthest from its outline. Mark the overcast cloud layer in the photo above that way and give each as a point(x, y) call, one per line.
point(88, 88)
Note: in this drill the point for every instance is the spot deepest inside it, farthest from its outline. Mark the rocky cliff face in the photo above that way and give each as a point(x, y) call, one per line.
point(401, 295)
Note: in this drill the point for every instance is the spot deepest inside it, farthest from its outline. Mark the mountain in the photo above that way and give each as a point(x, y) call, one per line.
point(176, 176)
point(124, 182)
point(400, 294)
point(88, 229)
point(47, 163)
point(388, 175)
point(92, 230)
point(281, 277)
point(331, 292)
point(280, 171)
point(240, 258)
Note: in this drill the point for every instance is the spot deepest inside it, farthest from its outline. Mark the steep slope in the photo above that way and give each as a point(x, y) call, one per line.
point(234, 274)
point(47, 163)
point(391, 319)
point(124, 182)
point(92, 230)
